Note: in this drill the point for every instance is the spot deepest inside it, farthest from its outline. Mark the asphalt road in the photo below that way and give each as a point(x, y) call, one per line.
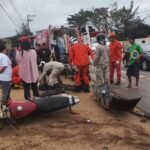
point(143, 90)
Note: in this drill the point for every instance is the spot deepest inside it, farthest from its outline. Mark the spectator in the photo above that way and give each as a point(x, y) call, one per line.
point(44, 53)
point(5, 74)
point(12, 55)
point(135, 52)
point(37, 49)
point(28, 70)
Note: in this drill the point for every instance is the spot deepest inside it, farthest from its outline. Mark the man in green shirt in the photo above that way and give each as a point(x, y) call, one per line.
point(135, 52)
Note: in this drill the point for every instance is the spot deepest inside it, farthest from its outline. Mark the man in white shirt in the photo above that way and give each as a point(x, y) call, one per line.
point(5, 74)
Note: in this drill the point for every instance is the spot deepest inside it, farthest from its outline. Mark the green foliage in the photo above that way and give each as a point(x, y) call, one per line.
point(124, 20)
point(23, 32)
point(79, 18)
point(97, 16)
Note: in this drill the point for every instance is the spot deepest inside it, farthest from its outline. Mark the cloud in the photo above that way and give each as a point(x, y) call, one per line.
point(52, 12)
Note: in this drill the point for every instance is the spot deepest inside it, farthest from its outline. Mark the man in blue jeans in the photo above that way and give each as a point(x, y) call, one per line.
point(5, 74)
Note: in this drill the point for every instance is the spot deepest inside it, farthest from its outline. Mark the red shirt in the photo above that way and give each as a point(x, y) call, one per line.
point(115, 51)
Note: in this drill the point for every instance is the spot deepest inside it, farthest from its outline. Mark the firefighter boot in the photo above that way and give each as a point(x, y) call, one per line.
point(86, 88)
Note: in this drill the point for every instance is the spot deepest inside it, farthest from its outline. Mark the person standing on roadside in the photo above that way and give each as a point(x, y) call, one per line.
point(12, 55)
point(115, 58)
point(5, 74)
point(28, 69)
point(44, 53)
point(135, 53)
point(37, 49)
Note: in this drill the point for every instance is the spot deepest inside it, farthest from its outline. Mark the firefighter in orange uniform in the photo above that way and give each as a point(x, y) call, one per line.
point(79, 59)
point(115, 58)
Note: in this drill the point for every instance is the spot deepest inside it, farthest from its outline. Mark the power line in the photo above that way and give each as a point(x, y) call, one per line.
point(16, 10)
point(8, 8)
point(8, 15)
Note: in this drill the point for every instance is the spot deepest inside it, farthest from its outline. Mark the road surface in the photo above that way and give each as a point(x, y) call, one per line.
point(144, 89)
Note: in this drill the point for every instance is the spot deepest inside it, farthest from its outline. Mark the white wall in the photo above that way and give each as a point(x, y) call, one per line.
point(139, 41)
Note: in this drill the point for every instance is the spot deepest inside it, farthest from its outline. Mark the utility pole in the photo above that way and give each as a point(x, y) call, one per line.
point(28, 22)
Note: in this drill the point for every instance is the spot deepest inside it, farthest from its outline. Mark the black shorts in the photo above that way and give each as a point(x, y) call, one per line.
point(133, 70)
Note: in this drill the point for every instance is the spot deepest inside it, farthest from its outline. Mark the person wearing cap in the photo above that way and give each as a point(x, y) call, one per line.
point(135, 53)
point(79, 58)
point(115, 58)
point(101, 60)
point(28, 69)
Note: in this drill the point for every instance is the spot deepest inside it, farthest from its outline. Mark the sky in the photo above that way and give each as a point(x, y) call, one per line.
point(53, 12)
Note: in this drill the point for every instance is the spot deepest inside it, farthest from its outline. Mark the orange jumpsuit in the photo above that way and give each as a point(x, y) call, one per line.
point(115, 55)
point(15, 75)
point(79, 56)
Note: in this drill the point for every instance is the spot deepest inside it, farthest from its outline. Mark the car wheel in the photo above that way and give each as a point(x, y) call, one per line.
point(144, 65)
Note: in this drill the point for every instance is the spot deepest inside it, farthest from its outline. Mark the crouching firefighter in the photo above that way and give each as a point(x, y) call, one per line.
point(53, 70)
point(101, 61)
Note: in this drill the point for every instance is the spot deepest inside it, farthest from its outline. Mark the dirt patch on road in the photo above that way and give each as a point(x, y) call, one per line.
point(89, 127)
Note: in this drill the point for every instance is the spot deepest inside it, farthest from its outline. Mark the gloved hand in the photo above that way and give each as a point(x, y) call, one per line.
point(117, 62)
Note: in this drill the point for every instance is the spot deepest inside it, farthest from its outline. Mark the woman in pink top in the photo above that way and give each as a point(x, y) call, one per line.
point(28, 69)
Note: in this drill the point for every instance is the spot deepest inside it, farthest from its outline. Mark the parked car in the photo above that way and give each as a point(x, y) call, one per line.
point(145, 60)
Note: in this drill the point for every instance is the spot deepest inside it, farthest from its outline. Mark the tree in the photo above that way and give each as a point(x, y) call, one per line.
point(97, 16)
point(79, 19)
point(24, 31)
point(125, 19)
point(140, 31)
